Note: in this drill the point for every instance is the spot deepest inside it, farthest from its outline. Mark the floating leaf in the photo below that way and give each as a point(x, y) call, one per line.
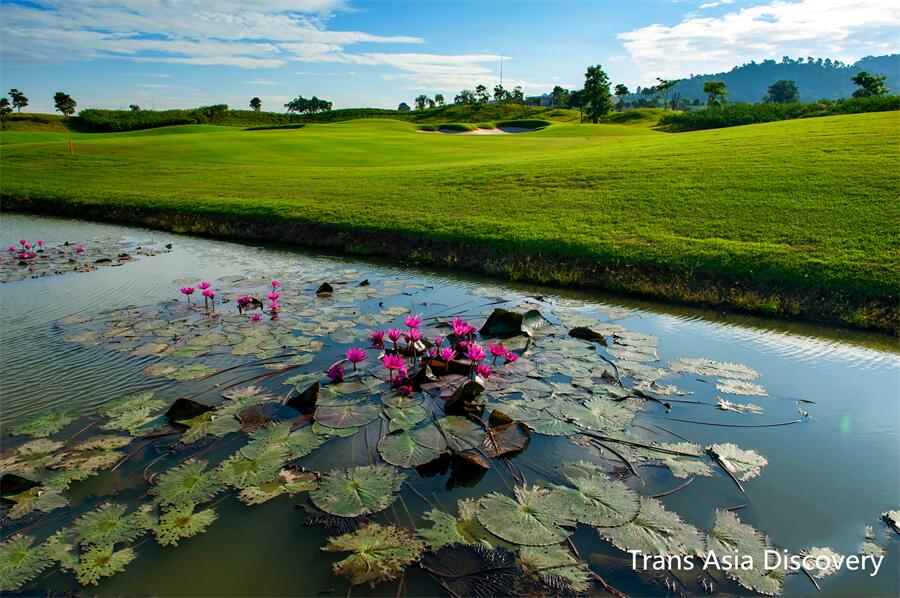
point(43, 425)
point(298, 443)
point(537, 517)
point(443, 531)
point(21, 561)
point(358, 491)
point(188, 482)
point(598, 414)
point(402, 450)
point(869, 548)
point(102, 561)
point(132, 402)
point(288, 481)
point(599, 501)
point(34, 454)
point(557, 568)
point(109, 524)
point(181, 521)
point(503, 322)
point(251, 466)
point(655, 531)
point(743, 464)
point(34, 499)
point(730, 536)
point(348, 416)
point(474, 570)
point(209, 423)
point(817, 556)
point(892, 518)
point(405, 418)
point(465, 399)
point(740, 387)
point(192, 371)
point(505, 439)
point(379, 553)
point(552, 426)
point(460, 433)
point(726, 405)
point(719, 369)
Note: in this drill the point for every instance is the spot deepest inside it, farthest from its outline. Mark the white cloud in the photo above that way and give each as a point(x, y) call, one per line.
point(261, 82)
point(714, 4)
point(258, 34)
point(843, 29)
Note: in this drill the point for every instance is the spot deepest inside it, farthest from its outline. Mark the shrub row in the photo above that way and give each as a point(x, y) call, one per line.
point(132, 120)
point(731, 115)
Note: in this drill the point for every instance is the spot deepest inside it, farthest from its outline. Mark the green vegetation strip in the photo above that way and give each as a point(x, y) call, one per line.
point(795, 218)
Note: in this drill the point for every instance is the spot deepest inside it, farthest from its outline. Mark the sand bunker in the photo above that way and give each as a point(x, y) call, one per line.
point(497, 131)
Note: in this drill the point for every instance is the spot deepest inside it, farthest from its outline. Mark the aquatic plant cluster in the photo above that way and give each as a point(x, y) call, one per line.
point(269, 372)
point(27, 259)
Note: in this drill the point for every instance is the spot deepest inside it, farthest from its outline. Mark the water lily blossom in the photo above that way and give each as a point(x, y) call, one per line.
point(413, 335)
point(393, 362)
point(11, 249)
point(187, 291)
point(255, 318)
point(203, 285)
point(377, 339)
point(475, 352)
point(274, 295)
point(394, 334)
point(412, 322)
point(79, 250)
point(497, 351)
point(447, 353)
point(336, 372)
point(243, 302)
point(484, 371)
point(355, 355)
point(460, 327)
point(40, 243)
point(275, 284)
point(209, 294)
point(510, 357)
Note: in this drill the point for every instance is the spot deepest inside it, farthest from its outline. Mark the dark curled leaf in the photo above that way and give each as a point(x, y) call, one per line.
point(498, 418)
point(12, 484)
point(474, 570)
point(503, 322)
point(335, 525)
point(463, 399)
point(305, 402)
point(183, 409)
point(587, 334)
point(253, 418)
point(364, 283)
point(506, 439)
point(324, 289)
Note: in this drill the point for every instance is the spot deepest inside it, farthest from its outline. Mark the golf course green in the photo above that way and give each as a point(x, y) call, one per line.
point(794, 218)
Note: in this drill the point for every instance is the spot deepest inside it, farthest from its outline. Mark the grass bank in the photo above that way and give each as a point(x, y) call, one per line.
point(794, 218)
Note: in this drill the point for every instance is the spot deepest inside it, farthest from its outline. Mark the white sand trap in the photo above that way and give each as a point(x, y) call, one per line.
point(497, 131)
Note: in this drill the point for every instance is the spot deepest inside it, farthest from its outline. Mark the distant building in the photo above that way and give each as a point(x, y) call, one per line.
point(544, 101)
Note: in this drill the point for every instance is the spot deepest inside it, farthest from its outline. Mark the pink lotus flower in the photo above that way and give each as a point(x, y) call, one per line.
point(274, 306)
point(393, 362)
point(275, 284)
point(437, 341)
point(203, 285)
point(432, 352)
point(273, 295)
point(22, 241)
point(475, 352)
point(447, 353)
point(11, 249)
point(79, 250)
point(394, 334)
point(497, 351)
point(32, 255)
point(484, 371)
point(414, 335)
point(460, 327)
point(27, 245)
point(377, 339)
point(336, 372)
point(208, 293)
point(22, 255)
point(355, 355)
point(405, 390)
point(188, 291)
point(255, 318)
point(510, 357)
point(40, 243)
point(412, 322)
point(243, 302)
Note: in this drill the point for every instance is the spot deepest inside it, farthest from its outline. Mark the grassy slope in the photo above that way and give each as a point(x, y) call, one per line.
point(806, 206)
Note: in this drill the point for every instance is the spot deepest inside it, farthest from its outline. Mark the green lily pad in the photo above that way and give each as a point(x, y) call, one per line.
point(401, 449)
point(43, 425)
point(598, 414)
point(600, 501)
point(444, 531)
point(189, 482)
point(537, 517)
point(406, 418)
point(108, 524)
point(743, 464)
point(181, 521)
point(102, 561)
point(251, 466)
point(557, 568)
point(655, 531)
point(719, 369)
point(730, 536)
point(21, 561)
point(459, 432)
point(379, 553)
point(358, 490)
point(348, 416)
point(288, 481)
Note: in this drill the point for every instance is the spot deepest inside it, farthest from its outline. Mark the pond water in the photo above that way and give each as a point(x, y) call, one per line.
point(827, 476)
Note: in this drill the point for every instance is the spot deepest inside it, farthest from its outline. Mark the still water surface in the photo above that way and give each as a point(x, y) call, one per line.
point(827, 477)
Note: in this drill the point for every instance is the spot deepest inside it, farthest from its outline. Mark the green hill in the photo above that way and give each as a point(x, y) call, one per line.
point(791, 218)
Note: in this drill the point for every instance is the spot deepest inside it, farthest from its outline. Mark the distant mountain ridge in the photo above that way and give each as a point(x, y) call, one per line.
point(818, 79)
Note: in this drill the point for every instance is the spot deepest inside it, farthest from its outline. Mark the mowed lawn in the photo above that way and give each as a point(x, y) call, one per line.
point(807, 204)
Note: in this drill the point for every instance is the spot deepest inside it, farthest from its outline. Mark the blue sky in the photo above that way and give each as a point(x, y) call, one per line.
point(181, 53)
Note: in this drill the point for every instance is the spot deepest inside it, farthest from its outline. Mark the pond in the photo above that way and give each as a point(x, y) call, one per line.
point(108, 376)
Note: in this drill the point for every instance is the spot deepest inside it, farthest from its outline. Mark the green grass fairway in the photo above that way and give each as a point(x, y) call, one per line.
point(793, 217)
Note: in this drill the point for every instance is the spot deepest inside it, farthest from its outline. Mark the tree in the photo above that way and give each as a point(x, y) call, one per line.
point(575, 99)
point(64, 103)
point(501, 96)
point(621, 92)
point(715, 93)
point(596, 93)
point(439, 99)
point(517, 96)
point(310, 106)
point(466, 96)
point(19, 100)
point(869, 85)
point(664, 86)
point(134, 107)
point(403, 107)
point(256, 104)
point(5, 109)
point(421, 101)
point(481, 94)
point(560, 96)
point(782, 92)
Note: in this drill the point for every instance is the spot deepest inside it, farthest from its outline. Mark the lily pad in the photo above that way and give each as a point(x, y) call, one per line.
point(730, 536)
point(43, 425)
point(598, 414)
point(743, 464)
point(406, 418)
point(358, 490)
point(401, 449)
point(503, 322)
point(251, 466)
point(602, 502)
point(109, 524)
point(102, 561)
point(181, 521)
point(740, 387)
point(21, 561)
point(379, 553)
point(288, 481)
point(537, 517)
point(189, 482)
point(505, 439)
point(444, 530)
point(827, 557)
point(655, 531)
point(474, 570)
point(557, 569)
point(719, 369)
point(348, 416)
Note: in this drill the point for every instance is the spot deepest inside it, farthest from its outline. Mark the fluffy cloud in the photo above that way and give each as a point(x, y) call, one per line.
point(842, 29)
point(262, 33)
